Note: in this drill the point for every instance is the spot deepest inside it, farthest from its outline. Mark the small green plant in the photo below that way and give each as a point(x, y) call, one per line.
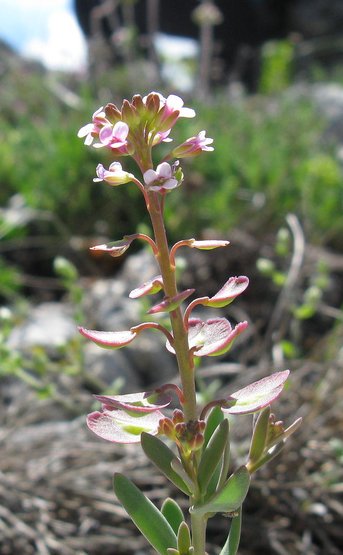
point(296, 301)
point(199, 463)
point(35, 367)
point(276, 70)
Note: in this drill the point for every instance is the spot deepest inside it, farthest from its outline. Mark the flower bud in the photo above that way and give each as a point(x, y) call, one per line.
point(193, 146)
point(115, 175)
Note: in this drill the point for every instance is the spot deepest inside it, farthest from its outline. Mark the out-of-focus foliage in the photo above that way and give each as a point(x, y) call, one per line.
point(276, 67)
point(268, 160)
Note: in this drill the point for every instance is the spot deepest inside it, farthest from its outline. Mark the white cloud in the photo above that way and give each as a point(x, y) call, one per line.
point(37, 4)
point(64, 47)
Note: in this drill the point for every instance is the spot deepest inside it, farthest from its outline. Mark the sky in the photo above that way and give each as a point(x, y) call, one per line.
point(44, 30)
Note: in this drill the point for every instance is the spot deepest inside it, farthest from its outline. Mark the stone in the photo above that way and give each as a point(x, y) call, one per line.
point(111, 367)
point(49, 325)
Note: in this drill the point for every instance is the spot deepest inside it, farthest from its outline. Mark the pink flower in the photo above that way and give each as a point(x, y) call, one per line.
point(171, 104)
point(124, 417)
point(193, 146)
point(170, 109)
point(120, 426)
point(150, 287)
point(171, 303)
point(232, 288)
point(162, 138)
point(257, 395)
point(115, 175)
point(162, 179)
point(92, 130)
point(114, 137)
point(135, 403)
point(211, 338)
point(174, 103)
point(109, 339)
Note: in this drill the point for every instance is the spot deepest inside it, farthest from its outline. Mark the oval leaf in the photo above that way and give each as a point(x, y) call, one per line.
point(215, 418)
point(233, 539)
point(183, 538)
point(162, 457)
point(259, 436)
point(230, 497)
point(173, 513)
point(148, 519)
point(212, 454)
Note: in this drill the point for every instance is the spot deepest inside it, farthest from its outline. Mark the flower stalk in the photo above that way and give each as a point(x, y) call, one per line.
point(185, 365)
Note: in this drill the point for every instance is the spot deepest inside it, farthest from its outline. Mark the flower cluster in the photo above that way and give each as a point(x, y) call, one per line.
point(134, 129)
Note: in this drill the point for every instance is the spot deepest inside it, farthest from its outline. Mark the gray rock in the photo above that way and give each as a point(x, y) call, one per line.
point(150, 358)
point(111, 366)
point(329, 99)
point(108, 304)
point(49, 325)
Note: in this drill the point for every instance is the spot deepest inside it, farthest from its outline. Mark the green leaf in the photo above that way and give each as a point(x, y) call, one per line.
point(173, 513)
point(160, 454)
point(212, 454)
point(177, 465)
point(215, 418)
point(259, 436)
point(230, 497)
point(233, 539)
point(268, 456)
point(183, 539)
point(148, 519)
point(304, 311)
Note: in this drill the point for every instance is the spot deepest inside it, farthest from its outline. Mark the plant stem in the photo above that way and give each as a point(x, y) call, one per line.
point(185, 361)
point(198, 533)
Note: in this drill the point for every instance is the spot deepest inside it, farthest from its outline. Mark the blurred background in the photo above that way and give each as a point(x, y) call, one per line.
point(266, 80)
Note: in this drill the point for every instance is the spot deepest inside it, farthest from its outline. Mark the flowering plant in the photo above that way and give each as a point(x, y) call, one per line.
point(199, 464)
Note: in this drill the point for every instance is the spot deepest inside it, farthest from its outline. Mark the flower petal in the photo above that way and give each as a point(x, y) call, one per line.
point(208, 244)
point(142, 402)
point(115, 248)
point(164, 170)
point(121, 131)
point(109, 339)
point(150, 287)
point(119, 427)
point(170, 303)
point(85, 130)
point(257, 395)
point(168, 184)
point(150, 176)
point(232, 288)
point(211, 338)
